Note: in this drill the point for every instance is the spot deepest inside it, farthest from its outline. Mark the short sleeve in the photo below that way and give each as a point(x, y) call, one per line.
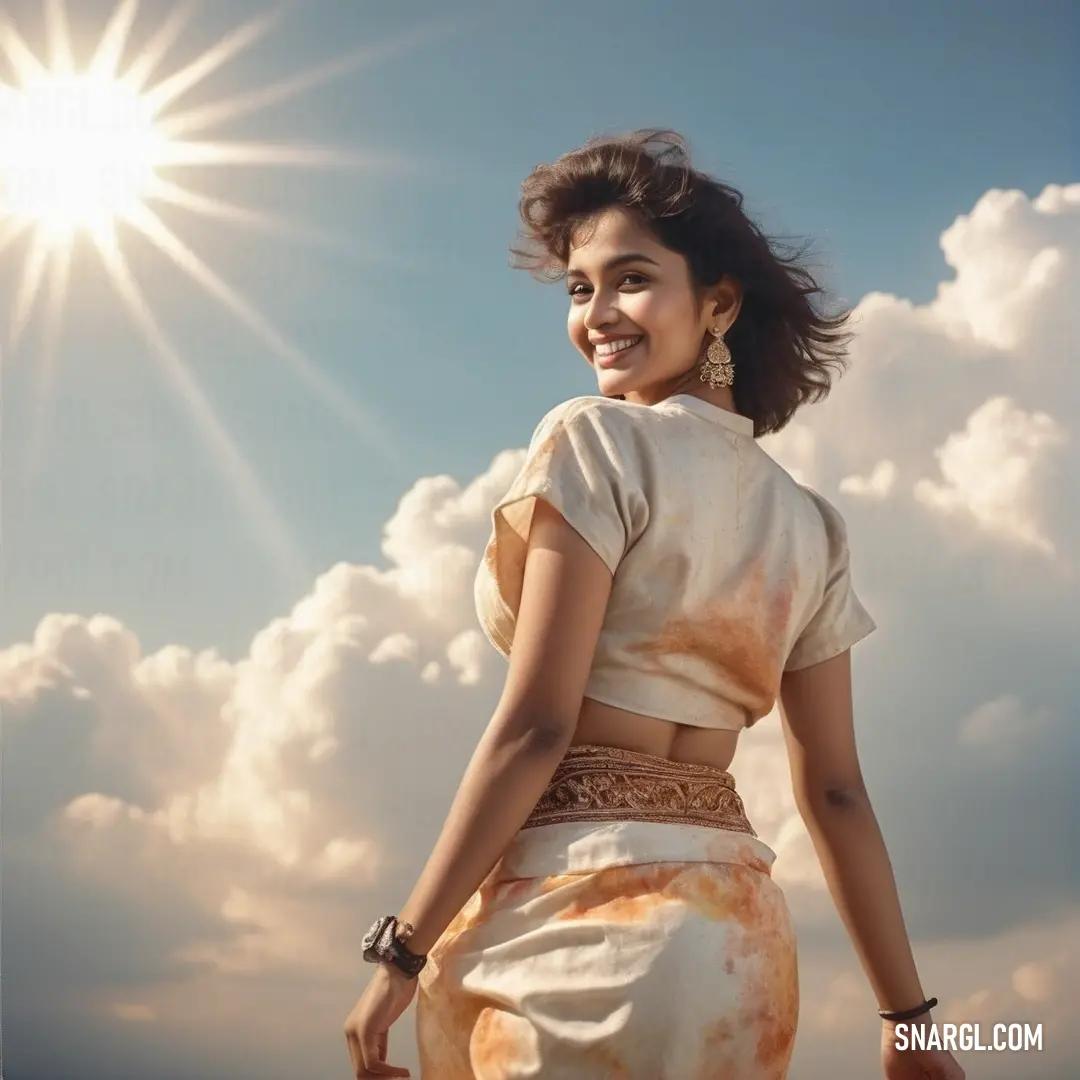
point(840, 619)
point(583, 459)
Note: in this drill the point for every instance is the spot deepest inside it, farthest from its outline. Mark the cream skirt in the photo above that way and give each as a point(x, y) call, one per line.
point(631, 931)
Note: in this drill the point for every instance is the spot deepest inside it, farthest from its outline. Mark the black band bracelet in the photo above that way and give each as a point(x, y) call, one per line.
point(908, 1014)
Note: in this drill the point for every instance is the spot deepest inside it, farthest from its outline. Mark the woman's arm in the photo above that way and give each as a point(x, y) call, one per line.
point(564, 597)
point(819, 729)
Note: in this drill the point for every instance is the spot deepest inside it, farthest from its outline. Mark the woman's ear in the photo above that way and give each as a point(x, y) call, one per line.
point(727, 298)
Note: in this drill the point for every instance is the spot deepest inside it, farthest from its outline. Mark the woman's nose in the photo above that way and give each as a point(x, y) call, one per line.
point(600, 312)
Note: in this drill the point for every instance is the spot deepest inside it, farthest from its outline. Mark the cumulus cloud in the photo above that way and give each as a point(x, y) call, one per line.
point(1006, 724)
point(1036, 982)
point(950, 448)
point(875, 486)
point(195, 845)
point(1010, 254)
point(795, 447)
point(989, 468)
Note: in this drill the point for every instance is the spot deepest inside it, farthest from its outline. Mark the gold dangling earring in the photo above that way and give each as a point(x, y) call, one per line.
point(717, 368)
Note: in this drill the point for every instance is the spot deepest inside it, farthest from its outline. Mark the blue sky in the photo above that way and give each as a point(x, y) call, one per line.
point(867, 127)
point(208, 634)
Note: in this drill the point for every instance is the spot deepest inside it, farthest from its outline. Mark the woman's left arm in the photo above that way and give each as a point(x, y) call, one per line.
point(565, 591)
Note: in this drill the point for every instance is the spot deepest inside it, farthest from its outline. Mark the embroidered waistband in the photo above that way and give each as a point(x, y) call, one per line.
point(604, 783)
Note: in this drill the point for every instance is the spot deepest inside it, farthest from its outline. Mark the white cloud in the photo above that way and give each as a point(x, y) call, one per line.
point(845, 1002)
point(1008, 253)
point(394, 647)
point(270, 934)
point(1035, 982)
point(1004, 723)
point(974, 394)
point(989, 469)
point(762, 777)
point(795, 447)
point(303, 680)
point(467, 654)
point(433, 538)
point(875, 486)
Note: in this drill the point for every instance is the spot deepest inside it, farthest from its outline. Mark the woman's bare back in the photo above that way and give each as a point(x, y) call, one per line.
point(605, 725)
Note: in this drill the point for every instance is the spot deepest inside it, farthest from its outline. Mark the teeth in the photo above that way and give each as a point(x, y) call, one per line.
point(610, 347)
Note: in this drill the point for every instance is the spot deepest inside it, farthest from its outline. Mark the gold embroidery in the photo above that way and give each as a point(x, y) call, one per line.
point(604, 783)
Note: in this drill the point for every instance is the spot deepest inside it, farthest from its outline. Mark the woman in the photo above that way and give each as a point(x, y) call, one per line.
point(598, 904)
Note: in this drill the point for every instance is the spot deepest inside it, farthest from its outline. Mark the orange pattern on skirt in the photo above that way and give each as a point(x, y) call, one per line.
point(616, 950)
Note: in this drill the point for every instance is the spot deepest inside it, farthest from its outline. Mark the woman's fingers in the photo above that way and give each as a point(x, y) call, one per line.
point(355, 1056)
point(373, 1056)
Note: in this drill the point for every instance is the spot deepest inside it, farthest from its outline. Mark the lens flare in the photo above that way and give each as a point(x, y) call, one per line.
point(87, 153)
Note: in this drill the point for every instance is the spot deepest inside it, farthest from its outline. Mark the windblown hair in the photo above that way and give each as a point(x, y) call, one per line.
point(783, 344)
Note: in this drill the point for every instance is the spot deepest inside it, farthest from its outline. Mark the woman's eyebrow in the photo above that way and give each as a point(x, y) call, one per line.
point(618, 260)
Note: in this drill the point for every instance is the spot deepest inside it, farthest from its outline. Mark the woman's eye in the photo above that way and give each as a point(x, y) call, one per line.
point(573, 290)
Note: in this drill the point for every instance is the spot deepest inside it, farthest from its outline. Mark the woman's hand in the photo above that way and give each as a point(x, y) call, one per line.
point(368, 1025)
point(913, 1063)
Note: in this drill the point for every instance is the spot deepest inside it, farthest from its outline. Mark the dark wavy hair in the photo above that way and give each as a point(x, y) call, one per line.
point(783, 343)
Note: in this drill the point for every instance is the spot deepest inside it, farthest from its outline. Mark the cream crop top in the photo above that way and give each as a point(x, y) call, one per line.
point(726, 571)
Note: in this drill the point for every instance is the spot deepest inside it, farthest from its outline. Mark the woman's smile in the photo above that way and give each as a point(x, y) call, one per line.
point(606, 358)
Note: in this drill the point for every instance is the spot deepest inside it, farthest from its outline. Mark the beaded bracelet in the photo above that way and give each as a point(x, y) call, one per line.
point(908, 1014)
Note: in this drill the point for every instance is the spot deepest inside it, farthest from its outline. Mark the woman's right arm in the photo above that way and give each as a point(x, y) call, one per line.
point(819, 728)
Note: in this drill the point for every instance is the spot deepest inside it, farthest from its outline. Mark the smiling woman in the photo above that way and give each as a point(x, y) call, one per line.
point(75, 152)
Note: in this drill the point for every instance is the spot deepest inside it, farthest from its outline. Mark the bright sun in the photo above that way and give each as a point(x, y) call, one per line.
point(96, 149)
point(99, 151)
point(76, 152)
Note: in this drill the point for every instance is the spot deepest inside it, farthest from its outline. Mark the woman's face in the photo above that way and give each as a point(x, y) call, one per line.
point(627, 289)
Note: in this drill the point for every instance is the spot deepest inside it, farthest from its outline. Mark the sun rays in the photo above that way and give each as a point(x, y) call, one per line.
point(86, 152)
point(77, 152)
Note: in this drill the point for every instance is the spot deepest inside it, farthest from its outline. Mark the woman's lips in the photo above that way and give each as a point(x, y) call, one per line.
point(615, 358)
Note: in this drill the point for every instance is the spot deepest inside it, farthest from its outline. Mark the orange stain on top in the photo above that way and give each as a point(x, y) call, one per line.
point(537, 466)
point(741, 637)
point(540, 459)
